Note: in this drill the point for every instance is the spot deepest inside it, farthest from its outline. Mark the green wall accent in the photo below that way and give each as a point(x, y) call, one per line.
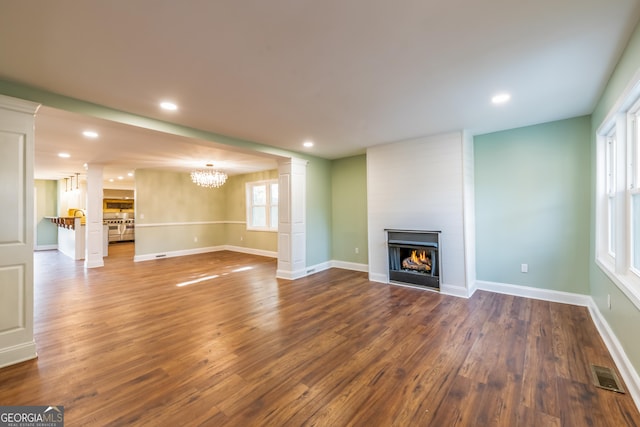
point(624, 316)
point(349, 213)
point(532, 205)
point(318, 212)
point(46, 205)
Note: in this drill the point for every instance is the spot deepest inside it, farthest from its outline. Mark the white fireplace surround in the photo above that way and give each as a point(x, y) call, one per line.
point(424, 184)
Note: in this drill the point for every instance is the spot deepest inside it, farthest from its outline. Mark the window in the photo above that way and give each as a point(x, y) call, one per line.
point(610, 185)
point(618, 195)
point(634, 190)
point(262, 205)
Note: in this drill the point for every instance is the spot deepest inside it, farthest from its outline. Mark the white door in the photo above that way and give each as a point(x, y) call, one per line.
point(16, 230)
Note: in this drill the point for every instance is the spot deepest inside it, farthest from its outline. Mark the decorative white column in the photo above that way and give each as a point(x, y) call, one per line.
point(16, 232)
point(292, 244)
point(94, 236)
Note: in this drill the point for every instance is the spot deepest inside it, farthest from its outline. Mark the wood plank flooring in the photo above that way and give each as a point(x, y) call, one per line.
point(125, 345)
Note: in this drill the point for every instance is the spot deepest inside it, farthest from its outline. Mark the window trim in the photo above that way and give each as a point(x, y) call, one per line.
point(249, 205)
point(621, 123)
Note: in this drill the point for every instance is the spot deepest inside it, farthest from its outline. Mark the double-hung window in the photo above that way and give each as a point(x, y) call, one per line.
point(262, 205)
point(634, 188)
point(618, 195)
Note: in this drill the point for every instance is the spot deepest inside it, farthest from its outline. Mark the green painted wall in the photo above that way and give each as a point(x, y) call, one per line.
point(532, 205)
point(349, 209)
point(624, 316)
point(46, 205)
point(168, 198)
point(318, 211)
point(235, 210)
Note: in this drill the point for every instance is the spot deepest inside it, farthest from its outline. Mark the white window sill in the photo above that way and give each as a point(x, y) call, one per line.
point(628, 283)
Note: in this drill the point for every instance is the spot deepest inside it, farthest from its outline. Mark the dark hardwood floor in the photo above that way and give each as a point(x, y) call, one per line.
point(233, 346)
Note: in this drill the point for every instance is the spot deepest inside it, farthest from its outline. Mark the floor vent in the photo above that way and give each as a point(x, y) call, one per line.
point(606, 378)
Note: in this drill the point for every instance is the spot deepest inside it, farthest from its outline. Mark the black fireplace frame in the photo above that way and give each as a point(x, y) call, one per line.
point(398, 240)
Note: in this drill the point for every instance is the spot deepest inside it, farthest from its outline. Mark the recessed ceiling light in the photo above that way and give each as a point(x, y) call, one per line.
point(121, 177)
point(64, 155)
point(169, 106)
point(90, 134)
point(308, 144)
point(110, 179)
point(130, 174)
point(501, 98)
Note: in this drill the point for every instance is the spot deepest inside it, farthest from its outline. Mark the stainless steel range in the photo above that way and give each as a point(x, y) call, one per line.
point(121, 229)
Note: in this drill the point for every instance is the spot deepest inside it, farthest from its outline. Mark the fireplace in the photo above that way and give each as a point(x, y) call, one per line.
point(414, 257)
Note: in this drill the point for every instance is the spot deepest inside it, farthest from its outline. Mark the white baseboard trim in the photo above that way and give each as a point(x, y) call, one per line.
point(350, 266)
point(378, 277)
point(534, 293)
point(453, 290)
point(171, 254)
point(290, 275)
point(204, 250)
point(17, 353)
point(46, 248)
point(624, 365)
point(313, 269)
point(251, 251)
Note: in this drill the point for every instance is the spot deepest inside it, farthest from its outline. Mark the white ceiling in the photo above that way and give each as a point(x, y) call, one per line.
point(121, 149)
point(345, 74)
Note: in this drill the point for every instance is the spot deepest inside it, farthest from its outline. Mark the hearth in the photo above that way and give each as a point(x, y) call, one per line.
point(414, 257)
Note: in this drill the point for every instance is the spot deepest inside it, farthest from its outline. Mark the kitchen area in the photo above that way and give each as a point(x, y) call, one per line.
point(119, 217)
point(118, 221)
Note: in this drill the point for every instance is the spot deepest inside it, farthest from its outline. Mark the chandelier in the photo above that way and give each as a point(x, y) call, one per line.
point(208, 178)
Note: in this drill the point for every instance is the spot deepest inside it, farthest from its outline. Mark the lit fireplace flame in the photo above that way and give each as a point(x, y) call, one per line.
point(418, 261)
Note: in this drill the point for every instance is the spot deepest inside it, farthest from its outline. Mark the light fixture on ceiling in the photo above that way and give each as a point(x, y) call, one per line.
point(77, 179)
point(90, 134)
point(308, 144)
point(64, 155)
point(209, 178)
point(66, 184)
point(501, 98)
point(169, 106)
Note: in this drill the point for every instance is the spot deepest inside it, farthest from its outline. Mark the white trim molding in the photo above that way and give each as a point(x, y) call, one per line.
point(46, 248)
point(171, 254)
point(251, 251)
point(17, 353)
point(624, 365)
point(204, 250)
point(535, 293)
point(350, 266)
point(173, 224)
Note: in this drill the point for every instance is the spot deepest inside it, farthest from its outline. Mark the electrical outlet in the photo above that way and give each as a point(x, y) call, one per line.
point(357, 250)
point(195, 239)
point(241, 238)
point(524, 268)
point(609, 301)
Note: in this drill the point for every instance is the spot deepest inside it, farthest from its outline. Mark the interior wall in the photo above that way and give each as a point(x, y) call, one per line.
point(418, 185)
point(46, 206)
point(349, 209)
point(318, 210)
point(173, 214)
point(532, 205)
point(623, 316)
